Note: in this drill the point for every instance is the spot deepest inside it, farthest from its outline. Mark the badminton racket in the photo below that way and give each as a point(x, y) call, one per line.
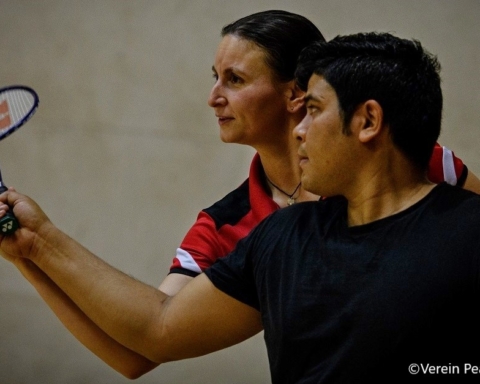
point(17, 105)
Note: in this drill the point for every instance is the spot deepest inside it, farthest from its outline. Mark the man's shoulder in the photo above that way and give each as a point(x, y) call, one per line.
point(455, 197)
point(455, 205)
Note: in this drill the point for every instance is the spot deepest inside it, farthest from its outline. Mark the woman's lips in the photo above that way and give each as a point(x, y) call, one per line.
point(222, 120)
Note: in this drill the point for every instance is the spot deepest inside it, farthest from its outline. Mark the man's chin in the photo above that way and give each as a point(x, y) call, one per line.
point(311, 185)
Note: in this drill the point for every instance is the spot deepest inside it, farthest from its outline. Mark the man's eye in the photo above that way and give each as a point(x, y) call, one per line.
point(215, 76)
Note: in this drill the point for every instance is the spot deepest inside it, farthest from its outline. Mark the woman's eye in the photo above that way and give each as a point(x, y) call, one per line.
point(234, 79)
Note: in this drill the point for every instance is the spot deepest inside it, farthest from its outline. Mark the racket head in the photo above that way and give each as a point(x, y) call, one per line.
point(18, 103)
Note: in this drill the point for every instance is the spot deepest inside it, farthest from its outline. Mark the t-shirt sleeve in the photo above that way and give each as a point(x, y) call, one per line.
point(199, 248)
point(444, 166)
point(234, 274)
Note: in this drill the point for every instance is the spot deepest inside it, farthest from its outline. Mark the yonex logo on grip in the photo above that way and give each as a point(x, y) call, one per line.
point(7, 226)
point(4, 115)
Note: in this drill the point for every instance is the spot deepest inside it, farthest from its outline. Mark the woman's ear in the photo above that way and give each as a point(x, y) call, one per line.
point(369, 120)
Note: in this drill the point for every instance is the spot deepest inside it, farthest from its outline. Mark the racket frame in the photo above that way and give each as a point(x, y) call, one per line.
point(27, 117)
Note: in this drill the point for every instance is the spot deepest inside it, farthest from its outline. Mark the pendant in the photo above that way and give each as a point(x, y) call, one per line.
point(290, 201)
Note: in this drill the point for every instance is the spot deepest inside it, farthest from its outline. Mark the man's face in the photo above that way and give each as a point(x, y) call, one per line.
point(326, 153)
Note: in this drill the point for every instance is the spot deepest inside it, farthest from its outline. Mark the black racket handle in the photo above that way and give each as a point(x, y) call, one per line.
point(8, 223)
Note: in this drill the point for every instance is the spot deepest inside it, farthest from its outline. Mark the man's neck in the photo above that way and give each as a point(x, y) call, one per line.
point(386, 200)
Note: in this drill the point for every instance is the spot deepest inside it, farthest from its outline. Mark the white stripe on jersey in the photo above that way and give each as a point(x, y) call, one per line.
point(187, 261)
point(449, 174)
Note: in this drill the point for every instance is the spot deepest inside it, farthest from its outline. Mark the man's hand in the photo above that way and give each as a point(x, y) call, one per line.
point(33, 223)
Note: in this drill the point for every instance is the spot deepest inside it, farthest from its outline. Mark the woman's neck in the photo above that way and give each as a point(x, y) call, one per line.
point(282, 174)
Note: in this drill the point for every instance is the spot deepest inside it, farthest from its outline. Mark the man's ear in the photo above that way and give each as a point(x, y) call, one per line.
point(369, 120)
point(295, 97)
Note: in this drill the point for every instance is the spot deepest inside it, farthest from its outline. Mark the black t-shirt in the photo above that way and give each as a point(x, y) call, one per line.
point(352, 305)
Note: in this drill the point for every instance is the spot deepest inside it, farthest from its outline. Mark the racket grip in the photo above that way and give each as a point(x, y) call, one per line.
point(8, 223)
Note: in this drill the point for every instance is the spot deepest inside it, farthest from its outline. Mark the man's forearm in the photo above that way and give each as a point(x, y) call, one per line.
point(127, 310)
point(120, 358)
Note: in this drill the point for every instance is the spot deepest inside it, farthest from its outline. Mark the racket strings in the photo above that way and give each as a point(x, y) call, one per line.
point(16, 104)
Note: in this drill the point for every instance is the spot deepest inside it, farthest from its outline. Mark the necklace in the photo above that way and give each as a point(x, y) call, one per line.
point(291, 199)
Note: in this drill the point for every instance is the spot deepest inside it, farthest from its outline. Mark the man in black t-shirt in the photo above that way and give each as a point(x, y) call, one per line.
point(379, 282)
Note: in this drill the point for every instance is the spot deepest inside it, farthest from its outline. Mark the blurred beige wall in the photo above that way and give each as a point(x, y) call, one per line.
point(123, 151)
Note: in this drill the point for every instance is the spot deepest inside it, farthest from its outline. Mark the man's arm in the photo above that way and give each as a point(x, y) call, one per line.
point(125, 361)
point(198, 320)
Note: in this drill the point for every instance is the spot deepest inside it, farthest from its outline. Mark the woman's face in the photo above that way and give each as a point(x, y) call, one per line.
point(251, 106)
